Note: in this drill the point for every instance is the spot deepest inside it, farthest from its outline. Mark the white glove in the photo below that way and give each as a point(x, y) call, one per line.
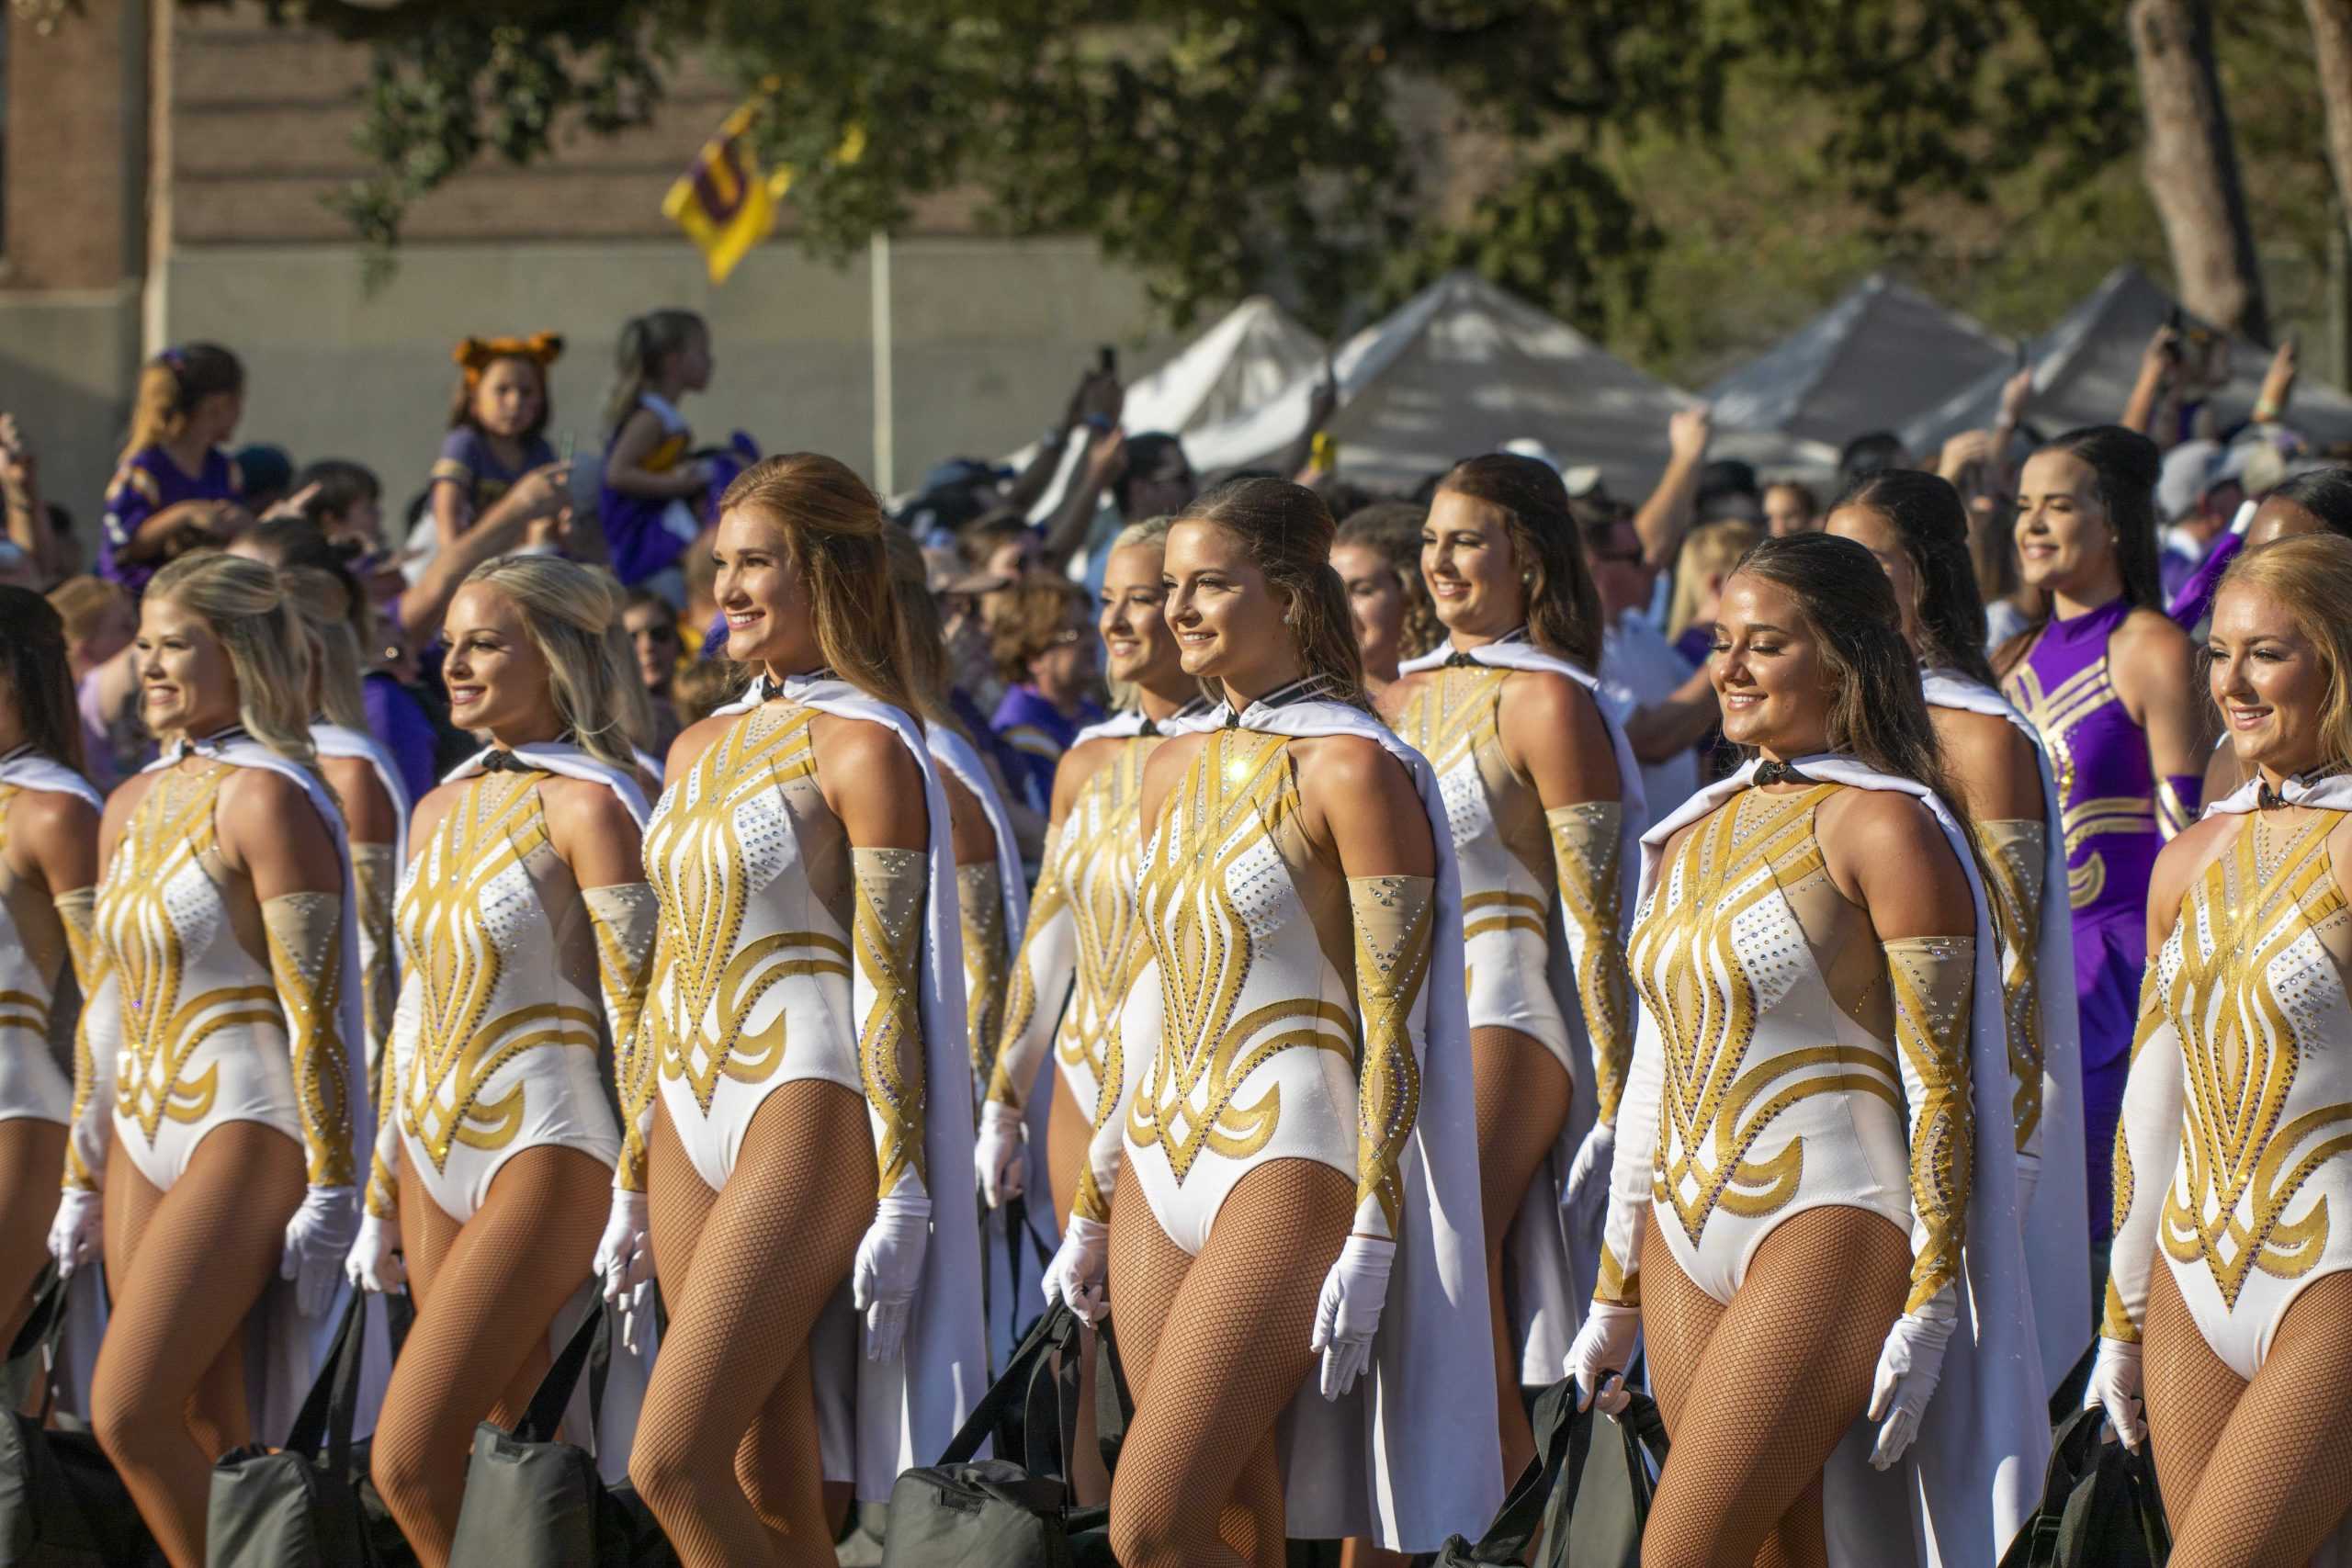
point(1602, 1351)
point(998, 1151)
point(1910, 1364)
point(890, 1263)
point(318, 1238)
point(2115, 1384)
point(625, 1263)
point(1585, 1195)
point(1080, 1266)
point(77, 1235)
point(1347, 1313)
point(374, 1263)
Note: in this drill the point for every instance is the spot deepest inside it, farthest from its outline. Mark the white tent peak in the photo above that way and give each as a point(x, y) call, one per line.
point(1882, 353)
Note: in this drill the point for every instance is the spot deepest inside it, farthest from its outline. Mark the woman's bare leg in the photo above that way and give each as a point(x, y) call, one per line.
point(31, 1154)
point(1223, 1339)
point(1785, 1372)
point(1522, 1097)
point(770, 1253)
point(194, 1268)
point(481, 1327)
point(2277, 1480)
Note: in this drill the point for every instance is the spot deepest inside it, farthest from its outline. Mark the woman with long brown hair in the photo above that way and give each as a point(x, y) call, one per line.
point(1543, 800)
point(802, 1061)
point(1287, 1092)
point(1811, 1223)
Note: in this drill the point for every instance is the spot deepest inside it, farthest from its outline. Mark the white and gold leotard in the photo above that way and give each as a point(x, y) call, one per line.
point(1280, 1005)
point(516, 983)
point(2233, 1157)
point(1798, 1063)
point(1523, 867)
point(783, 953)
point(38, 937)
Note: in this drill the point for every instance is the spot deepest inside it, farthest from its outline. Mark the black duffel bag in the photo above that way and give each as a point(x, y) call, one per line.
point(2100, 1507)
point(994, 1513)
point(62, 1506)
point(1608, 1508)
point(299, 1507)
point(1563, 1436)
point(532, 1502)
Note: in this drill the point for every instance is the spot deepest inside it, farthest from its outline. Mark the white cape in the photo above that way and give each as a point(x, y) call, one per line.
point(615, 1422)
point(2333, 793)
point(902, 1414)
point(2057, 1219)
point(284, 1350)
point(1976, 1470)
point(1410, 1455)
point(341, 741)
point(85, 1300)
point(1550, 1253)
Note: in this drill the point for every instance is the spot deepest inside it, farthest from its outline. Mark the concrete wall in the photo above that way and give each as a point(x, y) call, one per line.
point(67, 362)
point(990, 337)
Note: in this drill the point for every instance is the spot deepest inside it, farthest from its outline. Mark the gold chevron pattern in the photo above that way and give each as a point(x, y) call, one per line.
point(2012, 855)
point(2053, 715)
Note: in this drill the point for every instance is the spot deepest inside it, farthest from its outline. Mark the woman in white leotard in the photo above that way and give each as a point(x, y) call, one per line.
point(525, 929)
point(223, 1077)
point(49, 858)
point(1537, 784)
point(2231, 1273)
point(1813, 1226)
point(803, 1057)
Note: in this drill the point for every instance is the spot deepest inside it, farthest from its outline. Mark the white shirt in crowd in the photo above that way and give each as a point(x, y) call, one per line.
point(1638, 666)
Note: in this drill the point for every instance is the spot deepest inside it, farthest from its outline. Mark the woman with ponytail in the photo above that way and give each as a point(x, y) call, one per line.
point(1807, 1187)
point(2109, 682)
point(1286, 1090)
point(1916, 526)
point(210, 1161)
point(174, 489)
point(525, 927)
point(655, 491)
point(1544, 802)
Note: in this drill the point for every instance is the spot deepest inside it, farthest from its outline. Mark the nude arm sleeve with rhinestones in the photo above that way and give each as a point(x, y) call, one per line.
point(306, 940)
point(888, 939)
point(2147, 1149)
point(979, 897)
point(1392, 925)
point(373, 876)
point(2013, 856)
point(1584, 854)
point(1933, 981)
point(383, 1198)
point(1633, 1169)
point(95, 1035)
point(622, 918)
point(1039, 984)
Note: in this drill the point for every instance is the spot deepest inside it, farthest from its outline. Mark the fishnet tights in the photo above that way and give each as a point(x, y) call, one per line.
point(1215, 1348)
point(727, 1452)
point(31, 1154)
point(2258, 1472)
point(186, 1266)
point(486, 1293)
point(1756, 1396)
point(1523, 1095)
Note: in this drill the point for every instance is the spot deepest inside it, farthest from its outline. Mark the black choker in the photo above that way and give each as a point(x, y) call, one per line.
point(1769, 771)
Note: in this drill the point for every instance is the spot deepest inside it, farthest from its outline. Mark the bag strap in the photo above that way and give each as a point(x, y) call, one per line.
point(332, 1407)
point(42, 1332)
point(592, 1340)
point(1045, 1448)
point(1114, 1406)
point(1563, 1438)
point(1056, 1330)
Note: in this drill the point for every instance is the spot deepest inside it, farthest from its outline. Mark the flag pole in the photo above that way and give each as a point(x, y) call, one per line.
point(885, 454)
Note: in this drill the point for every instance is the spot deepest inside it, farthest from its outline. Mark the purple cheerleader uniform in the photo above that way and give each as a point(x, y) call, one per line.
point(1036, 734)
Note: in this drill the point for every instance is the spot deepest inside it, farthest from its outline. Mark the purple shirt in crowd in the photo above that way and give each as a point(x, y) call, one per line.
point(149, 482)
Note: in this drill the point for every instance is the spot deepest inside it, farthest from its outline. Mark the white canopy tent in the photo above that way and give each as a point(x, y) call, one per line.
point(1882, 355)
point(2083, 367)
point(1463, 367)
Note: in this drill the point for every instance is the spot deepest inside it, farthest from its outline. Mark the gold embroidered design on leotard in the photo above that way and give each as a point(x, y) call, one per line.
point(306, 940)
point(1451, 713)
point(622, 918)
point(1586, 846)
point(1235, 793)
point(2013, 855)
point(698, 869)
point(2241, 1049)
point(887, 936)
point(1393, 930)
point(2053, 714)
point(979, 897)
point(169, 837)
point(1932, 978)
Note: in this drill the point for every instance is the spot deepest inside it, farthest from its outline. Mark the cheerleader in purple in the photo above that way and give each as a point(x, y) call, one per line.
point(2109, 682)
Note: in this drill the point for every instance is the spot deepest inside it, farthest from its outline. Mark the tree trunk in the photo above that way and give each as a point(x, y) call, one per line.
point(2332, 52)
point(2192, 165)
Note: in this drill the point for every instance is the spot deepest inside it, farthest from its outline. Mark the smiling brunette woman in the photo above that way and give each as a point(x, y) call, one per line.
point(2109, 682)
point(525, 929)
point(2243, 1063)
point(1916, 526)
point(803, 1061)
point(1544, 802)
point(223, 1064)
point(1287, 1085)
point(1802, 1192)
